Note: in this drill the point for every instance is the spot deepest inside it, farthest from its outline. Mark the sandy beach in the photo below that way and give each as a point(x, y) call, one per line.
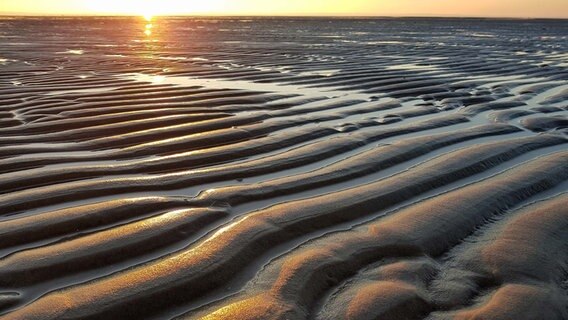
point(283, 168)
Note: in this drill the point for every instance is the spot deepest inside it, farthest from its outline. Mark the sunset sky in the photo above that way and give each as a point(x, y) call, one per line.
point(485, 8)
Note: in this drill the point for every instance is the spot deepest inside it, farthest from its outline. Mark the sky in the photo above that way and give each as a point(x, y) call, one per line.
point(460, 8)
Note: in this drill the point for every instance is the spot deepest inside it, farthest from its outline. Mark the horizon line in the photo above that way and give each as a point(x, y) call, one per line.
point(206, 15)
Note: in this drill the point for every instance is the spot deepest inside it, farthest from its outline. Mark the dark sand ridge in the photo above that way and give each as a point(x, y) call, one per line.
point(542, 124)
point(402, 84)
point(547, 109)
point(560, 97)
point(533, 89)
point(105, 128)
point(292, 283)
point(21, 230)
point(108, 296)
point(508, 115)
point(490, 106)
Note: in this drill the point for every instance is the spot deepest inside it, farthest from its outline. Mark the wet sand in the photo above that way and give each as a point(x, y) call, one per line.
point(283, 168)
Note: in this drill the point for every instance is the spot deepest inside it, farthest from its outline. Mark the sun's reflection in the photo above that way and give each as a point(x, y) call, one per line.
point(148, 30)
point(149, 25)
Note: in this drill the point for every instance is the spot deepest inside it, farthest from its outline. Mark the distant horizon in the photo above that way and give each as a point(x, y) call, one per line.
point(23, 15)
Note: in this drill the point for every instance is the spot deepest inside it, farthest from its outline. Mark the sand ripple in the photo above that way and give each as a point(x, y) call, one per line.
point(283, 169)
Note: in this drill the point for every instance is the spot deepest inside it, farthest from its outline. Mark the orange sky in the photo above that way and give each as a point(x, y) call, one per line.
point(486, 8)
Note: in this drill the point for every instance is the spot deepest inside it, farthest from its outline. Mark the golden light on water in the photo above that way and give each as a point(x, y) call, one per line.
point(148, 29)
point(149, 25)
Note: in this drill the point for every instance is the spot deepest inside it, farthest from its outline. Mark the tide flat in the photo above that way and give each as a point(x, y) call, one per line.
point(283, 168)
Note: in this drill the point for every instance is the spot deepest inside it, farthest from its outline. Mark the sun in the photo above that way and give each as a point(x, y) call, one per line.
point(149, 9)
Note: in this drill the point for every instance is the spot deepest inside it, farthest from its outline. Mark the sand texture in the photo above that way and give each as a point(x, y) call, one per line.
point(279, 168)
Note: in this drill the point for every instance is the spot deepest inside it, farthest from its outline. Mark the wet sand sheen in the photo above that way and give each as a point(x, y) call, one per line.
point(387, 169)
